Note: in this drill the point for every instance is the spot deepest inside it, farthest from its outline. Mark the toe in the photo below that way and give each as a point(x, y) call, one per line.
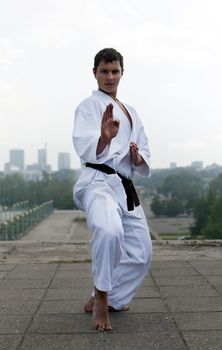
point(108, 327)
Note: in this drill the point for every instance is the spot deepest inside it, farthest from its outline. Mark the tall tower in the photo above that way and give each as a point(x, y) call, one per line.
point(17, 158)
point(42, 158)
point(63, 161)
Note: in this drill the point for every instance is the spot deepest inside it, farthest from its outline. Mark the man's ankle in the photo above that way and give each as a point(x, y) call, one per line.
point(101, 294)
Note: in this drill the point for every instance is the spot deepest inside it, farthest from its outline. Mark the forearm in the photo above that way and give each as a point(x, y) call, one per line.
point(139, 160)
point(102, 143)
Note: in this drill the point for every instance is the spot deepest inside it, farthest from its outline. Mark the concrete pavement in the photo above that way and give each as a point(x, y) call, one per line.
point(44, 284)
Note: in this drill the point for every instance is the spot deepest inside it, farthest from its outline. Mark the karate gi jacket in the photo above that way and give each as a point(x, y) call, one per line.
point(86, 133)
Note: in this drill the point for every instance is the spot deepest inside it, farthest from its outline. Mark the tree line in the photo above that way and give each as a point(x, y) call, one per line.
point(56, 186)
point(180, 191)
point(188, 192)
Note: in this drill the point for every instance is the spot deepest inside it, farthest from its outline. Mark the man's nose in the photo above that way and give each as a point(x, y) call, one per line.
point(110, 75)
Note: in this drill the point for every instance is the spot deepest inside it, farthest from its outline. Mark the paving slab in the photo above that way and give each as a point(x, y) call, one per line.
point(6, 267)
point(14, 324)
point(75, 293)
point(147, 292)
point(62, 342)
point(174, 271)
point(35, 268)
point(81, 323)
point(218, 287)
point(203, 340)
point(58, 307)
point(14, 295)
point(30, 275)
point(209, 264)
point(7, 307)
point(25, 283)
point(208, 270)
point(214, 280)
point(148, 282)
point(72, 283)
point(147, 305)
point(3, 274)
point(189, 291)
point(186, 304)
point(9, 342)
point(73, 274)
point(199, 320)
point(78, 266)
point(144, 341)
point(180, 280)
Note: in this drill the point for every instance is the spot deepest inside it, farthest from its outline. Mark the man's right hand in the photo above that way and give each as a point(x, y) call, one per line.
point(109, 129)
point(109, 126)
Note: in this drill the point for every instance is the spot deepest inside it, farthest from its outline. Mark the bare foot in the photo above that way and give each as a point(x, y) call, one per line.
point(124, 308)
point(88, 307)
point(100, 317)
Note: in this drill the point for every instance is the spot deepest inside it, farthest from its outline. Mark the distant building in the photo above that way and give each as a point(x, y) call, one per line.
point(7, 168)
point(32, 167)
point(17, 159)
point(63, 161)
point(198, 165)
point(42, 159)
point(173, 165)
point(32, 175)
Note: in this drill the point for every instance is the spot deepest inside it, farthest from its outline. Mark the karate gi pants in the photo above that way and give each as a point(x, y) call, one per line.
point(121, 245)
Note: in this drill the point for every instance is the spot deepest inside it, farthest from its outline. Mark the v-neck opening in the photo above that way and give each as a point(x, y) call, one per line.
point(125, 111)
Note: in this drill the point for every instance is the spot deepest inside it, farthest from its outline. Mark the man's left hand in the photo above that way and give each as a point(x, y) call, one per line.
point(136, 157)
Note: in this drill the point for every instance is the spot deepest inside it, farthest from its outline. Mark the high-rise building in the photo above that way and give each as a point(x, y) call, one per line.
point(42, 158)
point(63, 161)
point(17, 159)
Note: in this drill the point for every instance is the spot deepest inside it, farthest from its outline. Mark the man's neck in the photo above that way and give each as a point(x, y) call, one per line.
point(113, 95)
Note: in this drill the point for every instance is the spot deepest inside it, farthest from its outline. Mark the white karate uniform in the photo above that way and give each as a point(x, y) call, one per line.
point(121, 244)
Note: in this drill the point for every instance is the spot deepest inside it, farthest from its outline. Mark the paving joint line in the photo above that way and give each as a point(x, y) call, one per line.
point(36, 311)
point(205, 279)
point(8, 272)
point(179, 331)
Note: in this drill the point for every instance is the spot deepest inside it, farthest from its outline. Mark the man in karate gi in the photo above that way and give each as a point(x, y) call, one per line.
point(110, 140)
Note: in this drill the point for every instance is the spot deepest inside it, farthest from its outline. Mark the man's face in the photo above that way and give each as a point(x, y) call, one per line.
point(108, 76)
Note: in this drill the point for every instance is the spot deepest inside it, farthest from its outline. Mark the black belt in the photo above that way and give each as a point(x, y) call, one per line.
point(131, 195)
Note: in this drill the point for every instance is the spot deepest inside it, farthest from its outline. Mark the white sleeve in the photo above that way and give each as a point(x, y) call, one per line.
point(144, 151)
point(103, 153)
point(87, 131)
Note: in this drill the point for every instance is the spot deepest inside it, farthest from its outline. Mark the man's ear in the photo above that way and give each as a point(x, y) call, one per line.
point(94, 72)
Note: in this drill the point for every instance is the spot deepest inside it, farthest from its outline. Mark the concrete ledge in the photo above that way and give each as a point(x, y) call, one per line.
point(191, 242)
point(80, 251)
point(179, 243)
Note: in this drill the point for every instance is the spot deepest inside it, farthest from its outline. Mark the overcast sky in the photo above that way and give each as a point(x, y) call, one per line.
point(173, 71)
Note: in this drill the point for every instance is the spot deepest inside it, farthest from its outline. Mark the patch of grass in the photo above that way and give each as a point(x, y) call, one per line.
point(174, 236)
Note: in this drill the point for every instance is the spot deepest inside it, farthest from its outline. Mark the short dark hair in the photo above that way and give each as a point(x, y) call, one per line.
point(108, 55)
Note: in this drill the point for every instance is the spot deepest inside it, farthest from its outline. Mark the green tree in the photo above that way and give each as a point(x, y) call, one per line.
point(173, 207)
point(56, 186)
point(157, 206)
point(182, 185)
point(213, 228)
point(216, 185)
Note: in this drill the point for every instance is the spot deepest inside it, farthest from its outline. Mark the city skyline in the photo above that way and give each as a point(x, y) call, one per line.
point(63, 158)
point(17, 161)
